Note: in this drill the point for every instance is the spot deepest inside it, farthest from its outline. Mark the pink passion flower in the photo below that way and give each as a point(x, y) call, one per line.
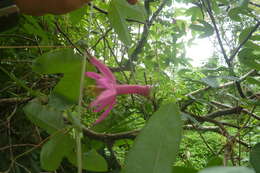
point(106, 82)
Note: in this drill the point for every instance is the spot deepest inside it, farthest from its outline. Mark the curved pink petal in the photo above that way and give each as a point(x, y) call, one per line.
point(105, 103)
point(103, 69)
point(103, 97)
point(105, 83)
point(93, 75)
point(105, 114)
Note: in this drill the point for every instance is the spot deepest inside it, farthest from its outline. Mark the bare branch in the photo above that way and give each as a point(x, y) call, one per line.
point(234, 110)
point(244, 41)
point(242, 78)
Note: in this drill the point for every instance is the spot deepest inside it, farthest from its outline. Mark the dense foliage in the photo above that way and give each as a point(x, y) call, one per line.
point(195, 119)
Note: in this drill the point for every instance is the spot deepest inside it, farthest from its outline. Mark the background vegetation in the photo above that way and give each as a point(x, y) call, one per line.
point(145, 43)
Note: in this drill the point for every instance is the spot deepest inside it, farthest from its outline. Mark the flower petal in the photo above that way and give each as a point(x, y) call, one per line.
point(105, 114)
point(105, 83)
point(107, 94)
point(105, 103)
point(93, 75)
point(103, 69)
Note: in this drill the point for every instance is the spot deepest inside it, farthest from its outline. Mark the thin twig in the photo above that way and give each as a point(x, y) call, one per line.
point(242, 78)
point(244, 41)
point(209, 10)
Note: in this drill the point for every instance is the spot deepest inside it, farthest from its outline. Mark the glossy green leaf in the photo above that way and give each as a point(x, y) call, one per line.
point(77, 15)
point(179, 169)
point(117, 19)
point(196, 27)
point(244, 34)
point(135, 12)
point(156, 146)
point(250, 58)
point(255, 37)
point(195, 12)
point(204, 27)
point(255, 157)
point(235, 13)
point(208, 31)
point(118, 12)
point(91, 160)
point(211, 81)
point(215, 161)
point(66, 62)
point(222, 169)
point(252, 80)
point(54, 150)
point(44, 117)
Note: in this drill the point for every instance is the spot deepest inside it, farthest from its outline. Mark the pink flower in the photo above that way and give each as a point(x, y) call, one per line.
point(106, 82)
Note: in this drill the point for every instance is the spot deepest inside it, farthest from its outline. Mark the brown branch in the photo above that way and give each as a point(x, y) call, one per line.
point(209, 10)
point(202, 128)
point(142, 41)
point(222, 129)
point(101, 38)
point(243, 110)
point(34, 47)
point(110, 138)
point(234, 110)
point(14, 100)
point(18, 36)
point(255, 4)
point(242, 78)
point(67, 38)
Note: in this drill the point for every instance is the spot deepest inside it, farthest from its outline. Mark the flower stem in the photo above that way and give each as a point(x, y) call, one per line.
point(133, 89)
point(78, 132)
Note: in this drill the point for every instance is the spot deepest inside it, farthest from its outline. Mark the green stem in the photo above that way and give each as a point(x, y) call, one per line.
point(78, 132)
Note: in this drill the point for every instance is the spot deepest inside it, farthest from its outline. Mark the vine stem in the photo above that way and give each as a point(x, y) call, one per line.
point(78, 131)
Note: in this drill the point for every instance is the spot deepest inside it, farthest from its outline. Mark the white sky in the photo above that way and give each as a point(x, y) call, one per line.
point(200, 51)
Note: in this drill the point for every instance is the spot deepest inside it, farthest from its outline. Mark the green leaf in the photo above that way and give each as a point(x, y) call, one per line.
point(135, 12)
point(235, 13)
point(245, 34)
point(66, 62)
point(225, 2)
point(44, 117)
point(156, 146)
point(91, 160)
point(77, 15)
point(197, 27)
point(32, 27)
point(117, 19)
point(204, 27)
point(255, 157)
point(211, 81)
point(215, 161)
point(195, 12)
point(118, 12)
point(208, 29)
point(250, 58)
point(179, 169)
point(252, 80)
point(243, 3)
point(222, 169)
point(54, 150)
point(215, 6)
point(255, 37)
